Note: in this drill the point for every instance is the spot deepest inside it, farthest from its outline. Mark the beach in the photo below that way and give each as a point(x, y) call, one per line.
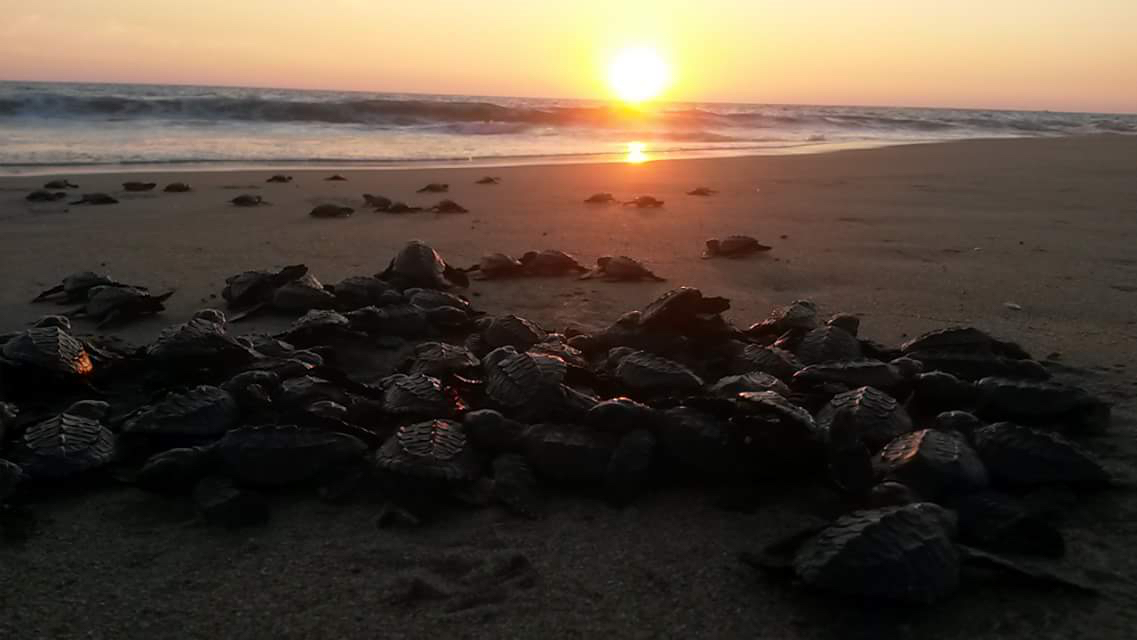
point(1031, 239)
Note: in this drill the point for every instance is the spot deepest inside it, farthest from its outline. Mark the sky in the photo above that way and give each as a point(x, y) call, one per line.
point(1077, 55)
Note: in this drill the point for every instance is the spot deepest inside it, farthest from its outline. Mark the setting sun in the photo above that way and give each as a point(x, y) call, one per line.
point(638, 74)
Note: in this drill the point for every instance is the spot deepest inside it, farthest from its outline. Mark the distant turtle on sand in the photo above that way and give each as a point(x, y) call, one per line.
point(449, 206)
point(551, 262)
point(620, 268)
point(336, 178)
point(177, 187)
point(379, 203)
point(733, 247)
point(488, 180)
point(45, 196)
point(247, 200)
point(497, 265)
point(139, 186)
point(331, 211)
point(95, 198)
point(402, 207)
point(60, 184)
point(701, 191)
point(600, 198)
point(115, 304)
point(435, 187)
point(644, 202)
point(74, 288)
point(279, 178)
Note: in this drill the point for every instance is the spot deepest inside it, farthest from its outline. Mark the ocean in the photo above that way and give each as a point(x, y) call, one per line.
point(47, 127)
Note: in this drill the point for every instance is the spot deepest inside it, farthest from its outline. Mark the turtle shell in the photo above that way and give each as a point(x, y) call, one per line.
point(777, 362)
point(200, 412)
point(828, 344)
point(102, 300)
point(700, 441)
point(432, 450)
point(569, 453)
point(775, 435)
point(515, 486)
point(867, 414)
point(974, 366)
point(799, 315)
point(50, 349)
point(646, 374)
point(440, 359)
point(420, 395)
point(302, 391)
point(621, 415)
point(678, 309)
point(175, 469)
point(331, 211)
point(497, 265)
point(316, 326)
point(738, 245)
point(64, 446)
point(624, 268)
point(402, 320)
point(629, 466)
point(302, 294)
point(903, 553)
point(280, 455)
point(730, 386)
point(360, 291)
point(520, 381)
point(959, 421)
point(251, 287)
point(433, 299)
point(510, 331)
point(1031, 400)
point(1017, 455)
point(201, 341)
point(847, 321)
point(964, 339)
point(856, 373)
point(551, 262)
point(932, 462)
point(419, 265)
point(75, 286)
point(937, 391)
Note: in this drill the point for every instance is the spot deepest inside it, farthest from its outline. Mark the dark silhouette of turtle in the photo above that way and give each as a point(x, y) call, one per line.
point(682, 311)
point(448, 206)
point(1020, 456)
point(876, 418)
point(896, 377)
point(252, 289)
point(201, 413)
point(506, 331)
point(420, 396)
point(600, 198)
point(320, 327)
point(731, 386)
point(434, 451)
point(75, 287)
point(248, 200)
point(550, 262)
point(402, 207)
point(68, 444)
point(488, 180)
point(799, 315)
point(846, 321)
point(52, 351)
point(702, 191)
point(139, 186)
point(621, 415)
point(647, 375)
point(60, 184)
point(279, 178)
point(281, 455)
point(419, 265)
point(442, 360)
point(202, 342)
point(1037, 402)
point(733, 247)
point(177, 187)
point(644, 202)
point(45, 196)
point(491, 431)
point(303, 294)
point(755, 358)
point(970, 365)
point(331, 211)
point(335, 178)
point(360, 291)
point(434, 299)
point(379, 203)
point(95, 199)
point(934, 463)
point(109, 305)
point(828, 344)
point(496, 265)
point(964, 339)
point(435, 187)
point(620, 268)
point(698, 441)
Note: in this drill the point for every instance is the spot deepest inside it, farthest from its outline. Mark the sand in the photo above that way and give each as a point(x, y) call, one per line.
point(910, 238)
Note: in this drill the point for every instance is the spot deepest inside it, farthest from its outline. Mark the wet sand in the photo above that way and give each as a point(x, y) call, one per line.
point(910, 238)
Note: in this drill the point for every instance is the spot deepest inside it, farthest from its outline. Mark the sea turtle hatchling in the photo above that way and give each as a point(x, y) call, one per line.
point(281, 455)
point(435, 187)
point(644, 202)
point(75, 287)
point(1020, 456)
point(68, 444)
point(138, 186)
point(448, 206)
point(934, 463)
point(702, 191)
point(828, 344)
point(52, 351)
point(441, 360)
point(418, 265)
point(496, 265)
point(250, 288)
point(488, 180)
point(45, 196)
point(200, 413)
point(177, 187)
point(402, 207)
point(109, 305)
point(550, 262)
point(335, 178)
point(734, 246)
point(648, 375)
point(621, 268)
point(875, 418)
point(60, 184)
point(248, 200)
point(379, 203)
point(95, 199)
point(435, 452)
point(331, 211)
point(279, 178)
point(600, 198)
point(303, 294)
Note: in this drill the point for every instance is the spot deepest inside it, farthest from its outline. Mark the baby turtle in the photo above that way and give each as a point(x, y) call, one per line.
point(139, 186)
point(435, 187)
point(621, 268)
point(506, 331)
point(895, 378)
point(644, 202)
point(200, 342)
point(976, 365)
point(360, 291)
point(733, 247)
point(497, 265)
point(279, 178)
point(876, 418)
point(76, 286)
point(934, 463)
point(488, 180)
point(441, 360)
point(303, 294)
point(702, 191)
point(419, 265)
point(379, 203)
point(964, 339)
point(335, 178)
point(799, 315)
point(95, 199)
point(50, 350)
point(681, 310)
point(434, 451)
point(282, 455)
point(420, 396)
point(319, 327)
point(247, 200)
point(1041, 402)
point(828, 344)
point(550, 262)
point(402, 207)
point(448, 206)
point(1021, 456)
point(331, 211)
point(177, 187)
point(251, 288)
point(731, 386)
point(45, 196)
point(108, 305)
point(71, 443)
point(620, 415)
point(60, 184)
point(646, 374)
point(200, 413)
point(600, 198)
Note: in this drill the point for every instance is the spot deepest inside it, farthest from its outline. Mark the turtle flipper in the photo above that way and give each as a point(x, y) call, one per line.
point(652, 276)
point(1031, 573)
point(588, 275)
point(165, 296)
point(247, 312)
point(50, 292)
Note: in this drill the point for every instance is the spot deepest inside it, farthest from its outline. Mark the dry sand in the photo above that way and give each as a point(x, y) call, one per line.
point(910, 238)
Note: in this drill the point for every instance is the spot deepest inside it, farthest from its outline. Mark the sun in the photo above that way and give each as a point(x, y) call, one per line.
point(638, 74)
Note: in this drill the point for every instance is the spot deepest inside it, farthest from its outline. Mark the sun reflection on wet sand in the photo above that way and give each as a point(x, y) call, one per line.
point(636, 153)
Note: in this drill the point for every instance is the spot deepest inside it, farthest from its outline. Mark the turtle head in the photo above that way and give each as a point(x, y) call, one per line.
point(215, 316)
point(712, 247)
point(63, 322)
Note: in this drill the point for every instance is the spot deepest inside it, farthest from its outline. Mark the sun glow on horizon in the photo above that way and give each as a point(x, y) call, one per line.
point(636, 153)
point(638, 74)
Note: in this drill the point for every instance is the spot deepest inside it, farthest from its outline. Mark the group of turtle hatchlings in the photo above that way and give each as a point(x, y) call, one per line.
point(394, 388)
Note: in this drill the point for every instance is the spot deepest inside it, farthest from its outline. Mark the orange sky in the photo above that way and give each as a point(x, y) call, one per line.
point(1041, 54)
